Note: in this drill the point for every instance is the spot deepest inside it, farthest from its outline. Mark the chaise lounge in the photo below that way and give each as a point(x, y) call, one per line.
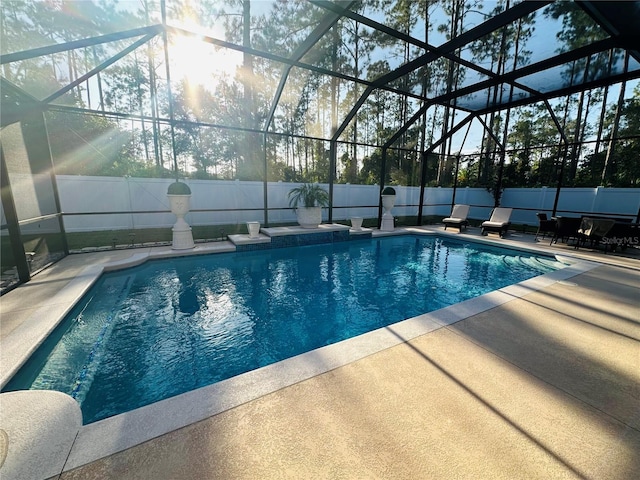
point(458, 217)
point(499, 221)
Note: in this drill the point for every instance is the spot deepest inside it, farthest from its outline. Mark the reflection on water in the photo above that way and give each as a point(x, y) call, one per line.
point(150, 332)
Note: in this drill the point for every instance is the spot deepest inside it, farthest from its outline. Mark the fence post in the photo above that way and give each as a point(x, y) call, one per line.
point(129, 201)
point(543, 197)
point(594, 201)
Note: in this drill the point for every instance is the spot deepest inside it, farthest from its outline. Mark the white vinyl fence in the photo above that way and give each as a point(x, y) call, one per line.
point(109, 203)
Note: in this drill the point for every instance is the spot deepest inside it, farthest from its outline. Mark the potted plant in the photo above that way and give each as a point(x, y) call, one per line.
point(308, 200)
point(179, 195)
point(388, 201)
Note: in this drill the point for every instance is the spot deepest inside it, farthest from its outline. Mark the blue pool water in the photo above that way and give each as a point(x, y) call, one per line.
point(167, 327)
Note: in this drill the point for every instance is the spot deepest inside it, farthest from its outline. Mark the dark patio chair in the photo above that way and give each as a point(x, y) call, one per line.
point(545, 225)
point(593, 229)
point(623, 234)
point(566, 228)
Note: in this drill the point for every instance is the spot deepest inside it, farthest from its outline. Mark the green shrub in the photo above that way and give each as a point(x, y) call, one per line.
point(308, 195)
point(179, 188)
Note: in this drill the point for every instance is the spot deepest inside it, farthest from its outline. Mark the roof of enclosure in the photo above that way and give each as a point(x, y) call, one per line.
point(608, 54)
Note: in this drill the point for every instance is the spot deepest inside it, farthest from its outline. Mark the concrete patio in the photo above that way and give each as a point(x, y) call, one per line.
point(546, 385)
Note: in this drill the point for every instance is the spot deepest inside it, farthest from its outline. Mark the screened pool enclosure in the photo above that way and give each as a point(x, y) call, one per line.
point(105, 103)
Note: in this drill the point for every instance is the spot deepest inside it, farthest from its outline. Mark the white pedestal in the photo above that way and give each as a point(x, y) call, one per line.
point(387, 224)
point(182, 236)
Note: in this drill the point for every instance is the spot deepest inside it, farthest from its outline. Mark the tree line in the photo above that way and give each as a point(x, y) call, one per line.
point(141, 116)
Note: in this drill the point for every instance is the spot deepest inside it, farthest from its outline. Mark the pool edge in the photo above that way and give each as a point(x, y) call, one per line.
point(120, 432)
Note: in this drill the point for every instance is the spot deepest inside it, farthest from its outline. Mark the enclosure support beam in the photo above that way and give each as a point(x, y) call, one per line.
point(16, 103)
point(323, 27)
point(491, 134)
point(423, 172)
point(99, 68)
point(36, 142)
point(494, 23)
point(616, 124)
point(383, 177)
point(455, 180)
point(512, 77)
point(333, 162)
point(85, 42)
point(11, 215)
point(502, 157)
point(165, 44)
point(421, 111)
point(265, 181)
point(431, 49)
point(455, 176)
point(564, 155)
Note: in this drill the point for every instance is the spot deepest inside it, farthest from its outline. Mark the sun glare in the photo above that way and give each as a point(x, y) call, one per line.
point(201, 63)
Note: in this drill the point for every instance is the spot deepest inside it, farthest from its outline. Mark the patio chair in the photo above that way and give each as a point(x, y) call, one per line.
point(499, 221)
point(566, 229)
point(545, 225)
point(458, 217)
point(623, 234)
point(594, 229)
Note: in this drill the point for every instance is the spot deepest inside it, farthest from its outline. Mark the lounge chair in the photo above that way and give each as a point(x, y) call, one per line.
point(545, 225)
point(499, 221)
point(458, 217)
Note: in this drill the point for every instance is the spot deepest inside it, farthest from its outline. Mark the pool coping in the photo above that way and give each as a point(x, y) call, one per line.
point(117, 433)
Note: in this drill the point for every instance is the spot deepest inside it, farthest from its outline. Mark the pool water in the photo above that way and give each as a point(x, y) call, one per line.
point(150, 332)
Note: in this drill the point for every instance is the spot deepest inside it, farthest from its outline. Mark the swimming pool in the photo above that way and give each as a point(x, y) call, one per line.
point(154, 331)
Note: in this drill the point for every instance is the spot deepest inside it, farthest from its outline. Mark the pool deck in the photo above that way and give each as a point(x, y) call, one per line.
point(539, 380)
